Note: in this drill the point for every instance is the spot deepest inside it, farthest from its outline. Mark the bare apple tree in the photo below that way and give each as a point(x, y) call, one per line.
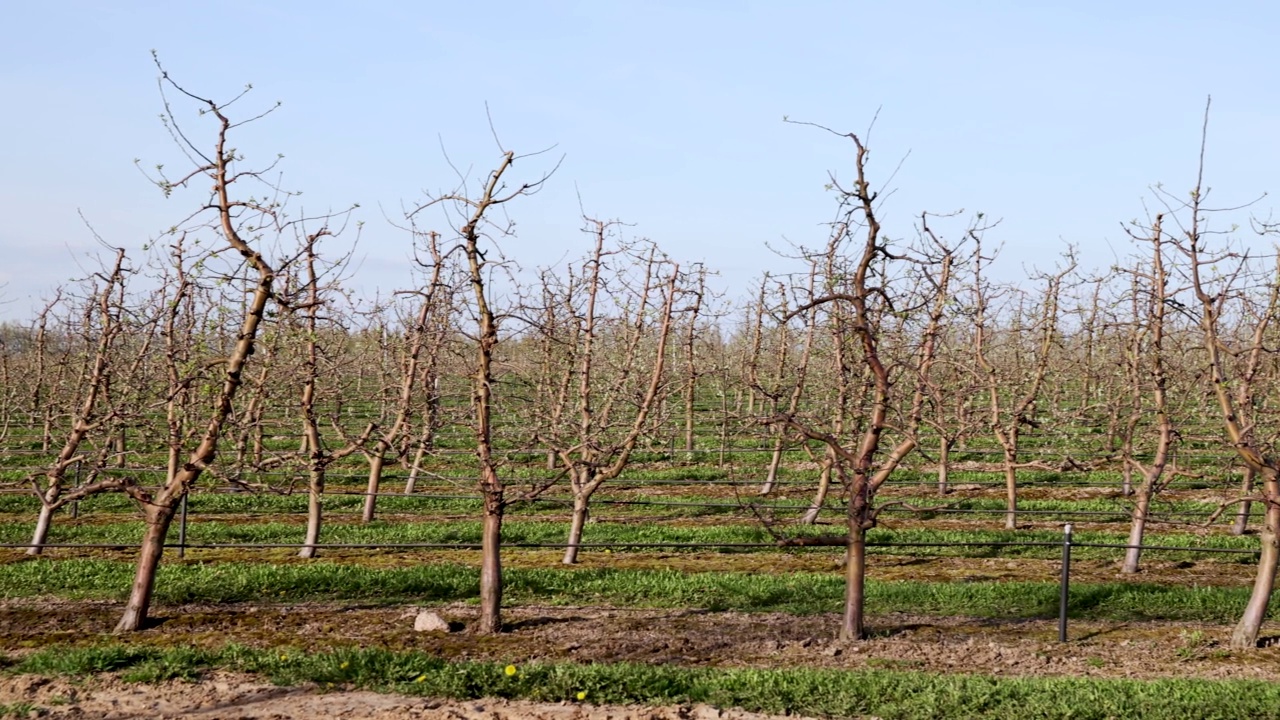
point(101, 325)
point(480, 255)
point(1250, 378)
point(1216, 275)
point(305, 312)
point(790, 369)
point(1147, 352)
point(237, 224)
point(875, 277)
point(605, 365)
point(422, 344)
point(1012, 395)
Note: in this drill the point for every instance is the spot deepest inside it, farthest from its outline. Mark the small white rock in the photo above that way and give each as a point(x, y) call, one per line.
point(428, 621)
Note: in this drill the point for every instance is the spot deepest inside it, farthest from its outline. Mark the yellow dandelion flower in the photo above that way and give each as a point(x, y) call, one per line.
point(582, 694)
point(510, 670)
point(284, 657)
point(421, 678)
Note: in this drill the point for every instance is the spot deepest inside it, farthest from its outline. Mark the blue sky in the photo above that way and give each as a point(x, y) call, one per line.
point(1056, 117)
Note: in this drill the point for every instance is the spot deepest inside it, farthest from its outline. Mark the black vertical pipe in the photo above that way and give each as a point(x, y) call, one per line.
point(75, 504)
point(182, 527)
point(1065, 584)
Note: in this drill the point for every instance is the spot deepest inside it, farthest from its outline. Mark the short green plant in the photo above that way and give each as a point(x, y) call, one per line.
point(820, 692)
point(1194, 645)
point(18, 709)
point(802, 593)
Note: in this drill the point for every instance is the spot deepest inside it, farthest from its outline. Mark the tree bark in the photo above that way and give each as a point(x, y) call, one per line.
point(411, 484)
point(1245, 636)
point(1126, 473)
point(852, 625)
point(581, 503)
point(41, 534)
point(491, 569)
point(1011, 491)
point(315, 512)
point(820, 497)
point(944, 465)
point(159, 517)
point(1136, 531)
point(1242, 514)
point(371, 494)
point(774, 461)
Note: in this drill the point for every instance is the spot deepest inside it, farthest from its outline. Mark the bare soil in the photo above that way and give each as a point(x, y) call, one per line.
point(226, 695)
point(684, 637)
point(583, 634)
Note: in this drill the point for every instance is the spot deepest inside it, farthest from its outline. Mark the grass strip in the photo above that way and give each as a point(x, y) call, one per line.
point(821, 692)
point(351, 500)
point(800, 593)
point(954, 543)
point(452, 532)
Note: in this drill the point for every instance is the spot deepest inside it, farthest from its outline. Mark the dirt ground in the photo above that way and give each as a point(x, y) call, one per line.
point(227, 696)
point(681, 636)
point(587, 634)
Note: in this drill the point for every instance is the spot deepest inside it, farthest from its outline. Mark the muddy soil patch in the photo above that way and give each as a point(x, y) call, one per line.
point(993, 646)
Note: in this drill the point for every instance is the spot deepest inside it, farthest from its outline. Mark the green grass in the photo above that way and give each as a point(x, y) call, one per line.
point(455, 532)
point(17, 709)
point(954, 543)
point(792, 501)
point(822, 692)
point(1117, 506)
point(210, 503)
point(959, 548)
point(801, 593)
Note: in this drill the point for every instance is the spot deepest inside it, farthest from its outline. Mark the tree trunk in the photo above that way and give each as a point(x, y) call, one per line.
point(41, 535)
point(820, 497)
point(371, 495)
point(852, 626)
point(1126, 471)
point(411, 484)
point(159, 518)
point(242, 449)
point(1242, 515)
point(581, 502)
point(776, 460)
point(259, 438)
point(1245, 636)
point(944, 465)
point(1011, 491)
point(491, 568)
point(688, 425)
point(314, 513)
point(1136, 530)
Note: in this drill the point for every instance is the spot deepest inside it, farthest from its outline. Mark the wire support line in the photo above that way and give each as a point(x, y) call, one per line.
point(631, 545)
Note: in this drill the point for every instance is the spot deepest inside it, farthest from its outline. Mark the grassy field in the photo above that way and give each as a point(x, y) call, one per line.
point(880, 693)
point(671, 536)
